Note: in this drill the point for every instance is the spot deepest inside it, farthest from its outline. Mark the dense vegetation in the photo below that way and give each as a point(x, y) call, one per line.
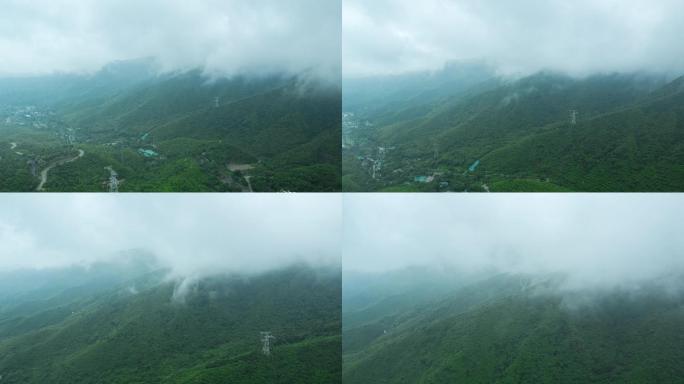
point(509, 329)
point(515, 135)
point(133, 325)
point(264, 134)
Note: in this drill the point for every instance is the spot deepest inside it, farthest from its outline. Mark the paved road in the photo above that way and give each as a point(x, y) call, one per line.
point(44, 172)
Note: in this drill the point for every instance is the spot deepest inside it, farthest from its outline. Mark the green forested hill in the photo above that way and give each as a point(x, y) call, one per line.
point(149, 329)
point(205, 134)
point(517, 135)
point(507, 330)
point(640, 148)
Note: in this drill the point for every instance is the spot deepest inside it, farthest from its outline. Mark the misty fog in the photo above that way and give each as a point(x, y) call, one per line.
point(223, 37)
point(192, 234)
point(516, 37)
point(593, 241)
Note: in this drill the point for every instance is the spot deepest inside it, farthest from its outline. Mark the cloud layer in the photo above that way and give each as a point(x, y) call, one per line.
point(595, 239)
point(191, 233)
point(222, 36)
point(518, 37)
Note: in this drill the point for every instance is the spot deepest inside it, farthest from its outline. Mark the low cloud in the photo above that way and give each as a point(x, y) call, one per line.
point(592, 240)
point(518, 37)
point(193, 234)
point(225, 37)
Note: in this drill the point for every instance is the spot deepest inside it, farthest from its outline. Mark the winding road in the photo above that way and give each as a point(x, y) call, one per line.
point(44, 172)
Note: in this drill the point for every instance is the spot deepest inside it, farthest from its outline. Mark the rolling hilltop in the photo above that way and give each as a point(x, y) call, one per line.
point(512, 329)
point(626, 133)
point(129, 323)
point(169, 132)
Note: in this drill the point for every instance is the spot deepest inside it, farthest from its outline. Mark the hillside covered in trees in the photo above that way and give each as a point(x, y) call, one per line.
point(464, 128)
point(129, 127)
point(507, 329)
point(132, 322)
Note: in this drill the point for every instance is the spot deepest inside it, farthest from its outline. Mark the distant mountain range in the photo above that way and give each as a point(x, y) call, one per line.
point(129, 322)
point(511, 329)
point(170, 132)
point(466, 129)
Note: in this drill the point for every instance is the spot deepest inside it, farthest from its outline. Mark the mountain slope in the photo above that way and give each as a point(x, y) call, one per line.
point(640, 148)
point(205, 330)
point(170, 132)
point(518, 135)
point(508, 331)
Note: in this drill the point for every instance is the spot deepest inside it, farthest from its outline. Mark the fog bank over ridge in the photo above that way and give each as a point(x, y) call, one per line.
point(582, 37)
point(222, 37)
point(191, 234)
point(594, 240)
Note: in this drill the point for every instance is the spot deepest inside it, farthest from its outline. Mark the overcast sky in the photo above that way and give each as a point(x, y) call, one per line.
point(226, 36)
point(518, 37)
point(192, 233)
point(594, 238)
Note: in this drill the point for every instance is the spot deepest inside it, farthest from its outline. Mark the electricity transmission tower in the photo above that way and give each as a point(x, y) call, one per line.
point(113, 183)
point(266, 338)
point(573, 116)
